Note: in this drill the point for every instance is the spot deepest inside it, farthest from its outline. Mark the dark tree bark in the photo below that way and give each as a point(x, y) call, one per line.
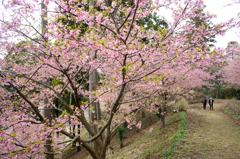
point(47, 112)
point(218, 90)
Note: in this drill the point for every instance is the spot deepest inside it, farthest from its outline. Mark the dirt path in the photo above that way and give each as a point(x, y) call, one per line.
point(212, 134)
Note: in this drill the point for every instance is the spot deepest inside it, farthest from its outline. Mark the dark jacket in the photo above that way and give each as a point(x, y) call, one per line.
point(209, 102)
point(205, 101)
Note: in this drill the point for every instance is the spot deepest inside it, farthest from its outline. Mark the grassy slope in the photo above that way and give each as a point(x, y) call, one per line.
point(211, 134)
point(145, 144)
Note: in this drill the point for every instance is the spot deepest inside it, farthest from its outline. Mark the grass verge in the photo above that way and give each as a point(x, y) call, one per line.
point(145, 144)
point(234, 115)
point(177, 137)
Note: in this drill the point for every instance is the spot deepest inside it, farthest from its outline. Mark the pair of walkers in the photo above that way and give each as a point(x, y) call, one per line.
point(210, 103)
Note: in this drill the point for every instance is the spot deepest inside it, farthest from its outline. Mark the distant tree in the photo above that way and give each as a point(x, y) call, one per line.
point(232, 73)
point(233, 49)
point(201, 22)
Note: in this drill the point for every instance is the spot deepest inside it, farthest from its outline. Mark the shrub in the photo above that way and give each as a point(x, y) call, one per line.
point(181, 105)
point(120, 134)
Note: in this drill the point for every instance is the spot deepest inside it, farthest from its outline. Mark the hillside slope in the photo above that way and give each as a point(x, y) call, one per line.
point(211, 134)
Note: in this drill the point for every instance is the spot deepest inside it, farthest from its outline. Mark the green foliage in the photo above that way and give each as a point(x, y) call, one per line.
point(71, 24)
point(178, 136)
point(120, 134)
point(153, 22)
point(201, 21)
point(158, 115)
point(224, 93)
point(229, 93)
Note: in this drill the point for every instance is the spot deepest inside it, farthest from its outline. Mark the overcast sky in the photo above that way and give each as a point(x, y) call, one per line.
point(224, 13)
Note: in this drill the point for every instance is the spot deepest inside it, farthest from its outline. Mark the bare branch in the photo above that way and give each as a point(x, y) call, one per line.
point(23, 121)
point(124, 21)
point(132, 22)
point(29, 102)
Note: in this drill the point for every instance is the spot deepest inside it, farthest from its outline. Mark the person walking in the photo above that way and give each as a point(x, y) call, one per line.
point(204, 103)
point(211, 103)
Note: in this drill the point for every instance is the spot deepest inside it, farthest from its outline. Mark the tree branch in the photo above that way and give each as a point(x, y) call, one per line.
point(132, 22)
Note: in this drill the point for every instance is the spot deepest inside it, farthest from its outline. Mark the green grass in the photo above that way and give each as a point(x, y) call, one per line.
point(234, 115)
point(150, 145)
point(178, 136)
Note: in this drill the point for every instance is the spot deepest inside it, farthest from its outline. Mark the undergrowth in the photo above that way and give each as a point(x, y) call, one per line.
point(177, 137)
point(234, 115)
point(234, 106)
point(181, 105)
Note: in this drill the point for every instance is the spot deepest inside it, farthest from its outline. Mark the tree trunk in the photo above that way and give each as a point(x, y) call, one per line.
point(78, 131)
point(162, 121)
point(94, 114)
point(162, 118)
point(107, 142)
point(93, 106)
point(162, 111)
point(57, 115)
point(48, 115)
point(74, 143)
point(218, 89)
point(98, 116)
point(125, 124)
point(143, 114)
point(47, 112)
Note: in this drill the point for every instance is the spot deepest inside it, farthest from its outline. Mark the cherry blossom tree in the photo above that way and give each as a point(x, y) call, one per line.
point(231, 73)
point(134, 73)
